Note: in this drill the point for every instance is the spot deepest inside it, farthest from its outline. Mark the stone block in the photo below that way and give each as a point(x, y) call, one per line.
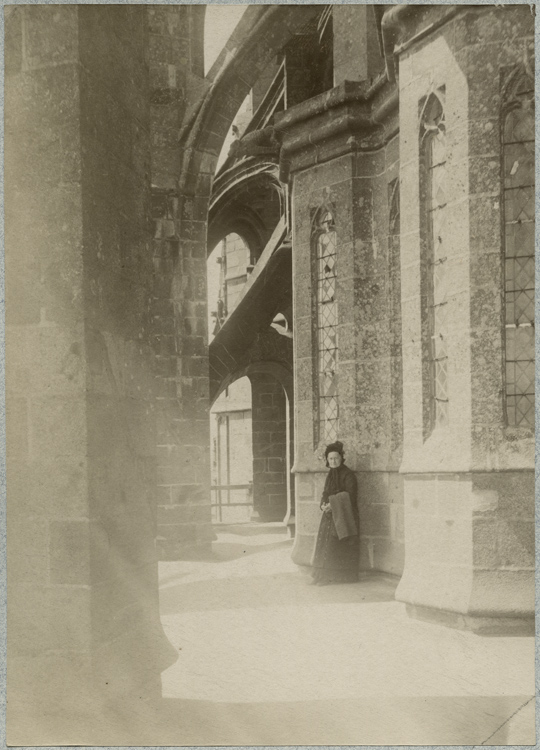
point(44, 619)
point(183, 514)
point(28, 550)
point(397, 523)
point(303, 301)
point(515, 543)
point(508, 593)
point(347, 383)
point(17, 426)
point(484, 216)
point(372, 487)
point(485, 543)
point(304, 486)
point(23, 304)
point(381, 555)
point(55, 360)
point(30, 678)
point(131, 540)
point(178, 534)
point(486, 275)
point(49, 486)
point(69, 552)
point(58, 427)
point(375, 520)
point(303, 340)
point(304, 379)
point(276, 465)
point(514, 490)
point(308, 516)
point(113, 601)
point(13, 41)
point(304, 545)
point(373, 341)
point(50, 35)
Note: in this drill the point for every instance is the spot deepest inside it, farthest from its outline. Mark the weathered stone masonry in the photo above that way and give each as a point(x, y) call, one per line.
point(470, 484)
point(112, 138)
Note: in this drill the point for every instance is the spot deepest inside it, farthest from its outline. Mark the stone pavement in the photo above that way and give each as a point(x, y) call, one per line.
point(267, 659)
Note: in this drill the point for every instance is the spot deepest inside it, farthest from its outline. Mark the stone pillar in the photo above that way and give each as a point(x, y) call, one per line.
point(305, 66)
point(469, 498)
point(269, 425)
point(357, 43)
point(49, 519)
point(83, 614)
point(179, 327)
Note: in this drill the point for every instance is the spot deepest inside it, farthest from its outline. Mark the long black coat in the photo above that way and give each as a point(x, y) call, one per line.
point(335, 560)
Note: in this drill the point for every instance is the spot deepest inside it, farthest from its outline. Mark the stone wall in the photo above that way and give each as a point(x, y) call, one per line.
point(369, 367)
point(179, 308)
point(468, 484)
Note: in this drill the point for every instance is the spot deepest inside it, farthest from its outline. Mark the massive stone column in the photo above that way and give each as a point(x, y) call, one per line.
point(469, 482)
point(83, 608)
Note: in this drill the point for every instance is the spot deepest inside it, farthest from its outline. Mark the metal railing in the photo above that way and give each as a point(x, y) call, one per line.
point(224, 499)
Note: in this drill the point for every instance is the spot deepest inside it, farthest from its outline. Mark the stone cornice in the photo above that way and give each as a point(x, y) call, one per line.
point(312, 129)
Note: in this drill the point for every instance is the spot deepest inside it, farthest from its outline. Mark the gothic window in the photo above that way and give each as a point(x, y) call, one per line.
point(327, 336)
point(434, 261)
point(518, 197)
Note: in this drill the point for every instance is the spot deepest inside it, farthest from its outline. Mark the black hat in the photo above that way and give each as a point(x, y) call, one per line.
point(336, 447)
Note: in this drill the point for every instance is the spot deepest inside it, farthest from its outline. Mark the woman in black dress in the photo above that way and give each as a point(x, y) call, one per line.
point(336, 553)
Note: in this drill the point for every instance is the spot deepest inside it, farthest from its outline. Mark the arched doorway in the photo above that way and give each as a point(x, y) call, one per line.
point(231, 462)
point(272, 423)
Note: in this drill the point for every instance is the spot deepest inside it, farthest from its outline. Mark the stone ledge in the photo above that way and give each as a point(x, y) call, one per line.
point(480, 625)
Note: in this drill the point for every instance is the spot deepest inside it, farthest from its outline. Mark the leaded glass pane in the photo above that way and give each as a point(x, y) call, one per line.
point(520, 410)
point(519, 238)
point(433, 139)
point(394, 213)
point(519, 204)
point(518, 164)
point(519, 125)
point(518, 169)
point(327, 329)
point(519, 273)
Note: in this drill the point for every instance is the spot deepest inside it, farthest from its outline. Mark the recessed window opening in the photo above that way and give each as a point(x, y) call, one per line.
point(325, 247)
point(518, 198)
point(433, 196)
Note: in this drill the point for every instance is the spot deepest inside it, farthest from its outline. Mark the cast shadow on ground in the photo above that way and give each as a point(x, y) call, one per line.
point(377, 720)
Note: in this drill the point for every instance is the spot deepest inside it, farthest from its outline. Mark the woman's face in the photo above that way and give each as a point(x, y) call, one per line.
point(334, 459)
